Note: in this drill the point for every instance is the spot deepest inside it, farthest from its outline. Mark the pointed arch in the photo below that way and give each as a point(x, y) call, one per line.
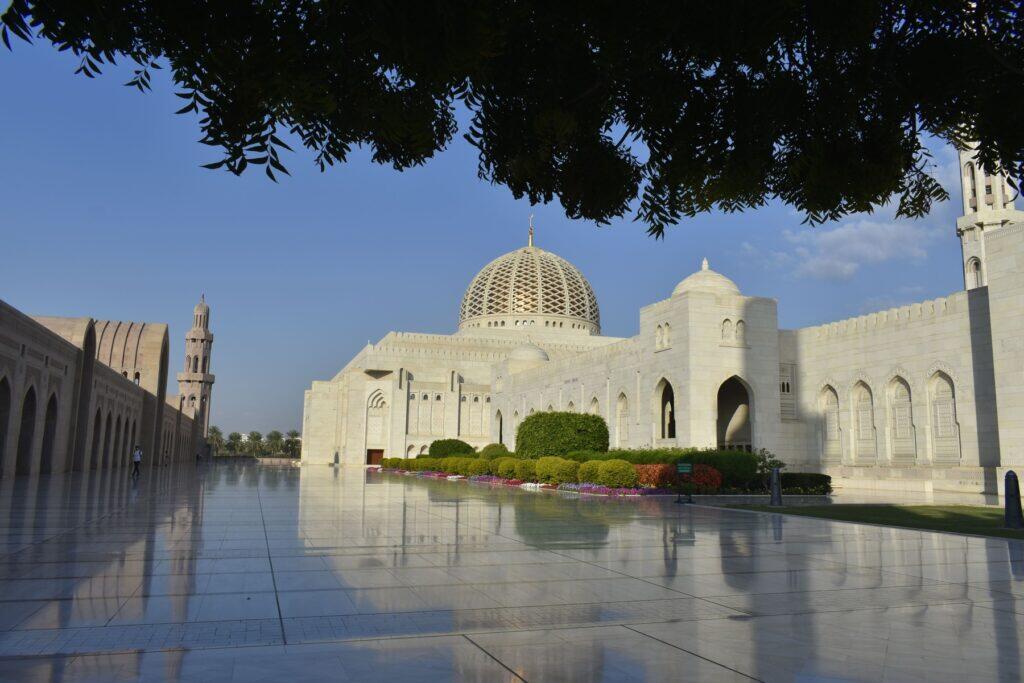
point(902, 435)
point(974, 275)
point(734, 417)
point(829, 430)
point(97, 429)
point(863, 400)
point(665, 409)
point(49, 435)
point(945, 427)
point(571, 407)
point(5, 415)
point(108, 426)
point(501, 426)
point(117, 443)
point(26, 433)
point(727, 330)
point(595, 406)
point(621, 420)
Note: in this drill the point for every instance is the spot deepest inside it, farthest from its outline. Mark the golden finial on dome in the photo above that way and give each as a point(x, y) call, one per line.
point(704, 264)
point(530, 241)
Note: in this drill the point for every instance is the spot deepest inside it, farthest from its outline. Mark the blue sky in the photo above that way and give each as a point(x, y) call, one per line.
point(107, 213)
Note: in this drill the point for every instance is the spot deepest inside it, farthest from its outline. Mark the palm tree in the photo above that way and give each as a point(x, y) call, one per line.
point(275, 442)
point(215, 439)
point(234, 442)
point(254, 444)
point(293, 443)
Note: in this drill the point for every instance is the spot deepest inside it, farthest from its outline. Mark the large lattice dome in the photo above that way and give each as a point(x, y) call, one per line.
point(530, 288)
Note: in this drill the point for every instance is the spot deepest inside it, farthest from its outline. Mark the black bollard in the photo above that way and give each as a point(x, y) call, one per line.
point(776, 488)
point(336, 459)
point(1014, 518)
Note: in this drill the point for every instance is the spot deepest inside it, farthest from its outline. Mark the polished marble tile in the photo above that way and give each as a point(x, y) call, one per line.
point(239, 572)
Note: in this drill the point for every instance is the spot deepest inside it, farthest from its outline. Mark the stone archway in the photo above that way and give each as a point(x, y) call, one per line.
point(26, 433)
point(665, 409)
point(5, 418)
point(734, 426)
point(49, 435)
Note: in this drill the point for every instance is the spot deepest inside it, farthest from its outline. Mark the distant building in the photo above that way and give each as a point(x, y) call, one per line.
point(921, 397)
point(78, 394)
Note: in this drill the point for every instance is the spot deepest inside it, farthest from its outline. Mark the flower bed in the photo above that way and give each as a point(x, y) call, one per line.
point(494, 480)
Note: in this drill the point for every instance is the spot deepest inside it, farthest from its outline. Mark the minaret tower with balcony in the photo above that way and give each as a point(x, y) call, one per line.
point(195, 384)
point(988, 205)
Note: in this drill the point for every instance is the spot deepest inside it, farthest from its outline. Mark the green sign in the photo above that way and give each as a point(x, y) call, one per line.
point(684, 468)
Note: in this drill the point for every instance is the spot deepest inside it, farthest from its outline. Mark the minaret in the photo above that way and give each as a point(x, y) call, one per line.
point(195, 384)
point(987, 206)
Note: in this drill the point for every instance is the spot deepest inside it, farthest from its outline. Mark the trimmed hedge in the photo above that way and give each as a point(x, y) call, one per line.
point(448, 447)
point(505, 467)
point(493, 451)
point(559, 433)
point(738, 468)
point(616, 474)
point(479, 466)
point(554, 470)
point(588, 472)
point(807, 481)
point(526, 470)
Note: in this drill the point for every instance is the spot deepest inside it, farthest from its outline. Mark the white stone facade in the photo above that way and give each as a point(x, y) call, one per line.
point(924, 397)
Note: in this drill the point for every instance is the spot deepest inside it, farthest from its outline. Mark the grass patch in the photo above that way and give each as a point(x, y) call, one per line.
point(962, 519)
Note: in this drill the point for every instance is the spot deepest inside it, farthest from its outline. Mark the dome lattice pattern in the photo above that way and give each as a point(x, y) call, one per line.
point(530, 281)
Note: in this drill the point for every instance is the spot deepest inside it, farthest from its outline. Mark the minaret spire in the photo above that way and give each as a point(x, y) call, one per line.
point(530, 242)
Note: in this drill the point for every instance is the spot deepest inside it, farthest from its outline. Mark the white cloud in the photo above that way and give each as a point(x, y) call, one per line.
point(838, 254)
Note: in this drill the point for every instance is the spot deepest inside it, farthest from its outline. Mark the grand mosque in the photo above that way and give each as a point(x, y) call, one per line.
point(923, 397)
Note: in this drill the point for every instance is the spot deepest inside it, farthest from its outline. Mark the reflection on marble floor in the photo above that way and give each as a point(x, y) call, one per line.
point(240, 572)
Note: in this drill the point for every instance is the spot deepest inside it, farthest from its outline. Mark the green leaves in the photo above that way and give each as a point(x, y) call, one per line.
point(681, 109)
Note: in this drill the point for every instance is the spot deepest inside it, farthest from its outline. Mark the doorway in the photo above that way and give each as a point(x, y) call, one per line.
point(374, 456)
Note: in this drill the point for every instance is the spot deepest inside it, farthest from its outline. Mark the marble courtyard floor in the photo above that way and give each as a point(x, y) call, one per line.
point(242, 572)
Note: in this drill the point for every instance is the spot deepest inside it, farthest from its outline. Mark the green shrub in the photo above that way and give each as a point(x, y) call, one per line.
point(584, 456)
point(479, 466)
point(807, 482)
point(616, 474)
point(493, 451)
point(506, 467)
point(424, 464)
point(560, 433)
point(526, 470)
point(554, 470)
point(448, 447)
point(588, 473)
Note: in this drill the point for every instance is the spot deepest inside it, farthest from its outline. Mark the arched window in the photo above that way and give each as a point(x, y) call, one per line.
point(501, 434)
point(901, 423)
point(658, 337)
point(726, 330)
point(945, 428)
point(666, 340)
point(974, 278)
point(425, 397)
point(571, 408)
point(735, 431)
point(138, 378)
point(595, 407)
point(188, 362)
point(206, 363)
point(741, 332)
point(195, 364)
point(863, 423)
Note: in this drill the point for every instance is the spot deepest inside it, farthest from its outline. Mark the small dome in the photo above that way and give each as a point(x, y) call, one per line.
point(201, 307)
point(528, 352)
point(706, 280)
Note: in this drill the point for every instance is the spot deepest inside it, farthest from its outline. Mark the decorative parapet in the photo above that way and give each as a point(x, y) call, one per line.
point(925, 310)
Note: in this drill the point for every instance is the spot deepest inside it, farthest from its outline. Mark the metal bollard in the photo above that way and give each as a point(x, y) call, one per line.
point(1013, 519)
point(336, 459)
point(776, 488)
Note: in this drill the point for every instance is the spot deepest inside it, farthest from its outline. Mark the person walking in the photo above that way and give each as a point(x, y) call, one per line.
point(136, 460)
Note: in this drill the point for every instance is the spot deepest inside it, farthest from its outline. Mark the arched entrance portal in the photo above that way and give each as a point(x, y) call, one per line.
point(735, 428)
point(26, 433)
point(665, 404)
point(49, 435)
point(5, 418)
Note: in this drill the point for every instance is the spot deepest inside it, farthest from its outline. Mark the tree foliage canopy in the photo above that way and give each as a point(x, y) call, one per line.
point(665, 109)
